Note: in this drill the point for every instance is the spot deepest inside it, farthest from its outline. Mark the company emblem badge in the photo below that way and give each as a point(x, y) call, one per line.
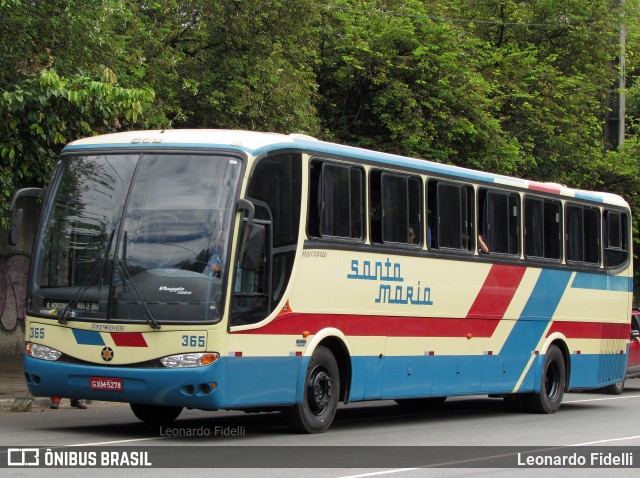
point(107, 354)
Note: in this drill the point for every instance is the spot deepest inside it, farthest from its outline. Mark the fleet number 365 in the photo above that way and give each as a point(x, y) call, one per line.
point(193, 341)
point(36, 332)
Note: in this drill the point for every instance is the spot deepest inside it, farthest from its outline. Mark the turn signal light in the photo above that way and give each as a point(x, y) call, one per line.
point(189, 360)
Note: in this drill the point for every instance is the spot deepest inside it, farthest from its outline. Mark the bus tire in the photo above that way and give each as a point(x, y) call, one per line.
point(552, 382)
point(615, 388)
point(321, 391)
point(155, 414)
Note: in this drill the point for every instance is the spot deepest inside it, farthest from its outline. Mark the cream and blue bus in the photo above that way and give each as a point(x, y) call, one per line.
point(214, 269)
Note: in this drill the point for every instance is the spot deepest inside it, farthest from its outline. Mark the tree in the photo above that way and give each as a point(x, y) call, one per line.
point(42, 113)
point(395, 78)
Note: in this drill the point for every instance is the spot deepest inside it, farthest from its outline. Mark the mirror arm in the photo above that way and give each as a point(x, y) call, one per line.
point(36, 193)
point(246, 205)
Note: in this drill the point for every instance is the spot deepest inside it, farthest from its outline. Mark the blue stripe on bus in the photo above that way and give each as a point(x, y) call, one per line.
point(391, 159)
point(589, 196)
point(533, 321)
point(243, 382)
point(584, 280)
point(88, 337)
point(597, 370)
point(331, 149)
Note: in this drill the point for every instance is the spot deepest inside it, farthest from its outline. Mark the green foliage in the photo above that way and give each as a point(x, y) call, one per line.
point(521, 88)
point(42, 113)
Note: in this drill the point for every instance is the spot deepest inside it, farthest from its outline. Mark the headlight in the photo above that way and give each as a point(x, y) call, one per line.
point(42, 352)
point(189, 360)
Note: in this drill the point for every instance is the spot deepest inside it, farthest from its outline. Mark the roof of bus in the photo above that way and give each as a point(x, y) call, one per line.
point(256, 143)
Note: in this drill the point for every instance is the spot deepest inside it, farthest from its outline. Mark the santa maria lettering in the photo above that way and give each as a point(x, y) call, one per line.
point(392, 288)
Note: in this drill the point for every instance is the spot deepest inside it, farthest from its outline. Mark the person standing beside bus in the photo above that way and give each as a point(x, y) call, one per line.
point(75, 403)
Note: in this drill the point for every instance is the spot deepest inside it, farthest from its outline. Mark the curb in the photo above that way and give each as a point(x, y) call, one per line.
point(24, 404)
point(28, 404)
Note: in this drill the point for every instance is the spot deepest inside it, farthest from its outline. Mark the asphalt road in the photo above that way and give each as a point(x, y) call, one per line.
point(455, 432)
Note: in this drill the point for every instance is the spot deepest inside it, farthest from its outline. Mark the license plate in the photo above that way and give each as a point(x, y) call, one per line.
point(105, 383)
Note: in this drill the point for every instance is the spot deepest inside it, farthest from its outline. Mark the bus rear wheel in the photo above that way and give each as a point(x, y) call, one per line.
point(552, 382)
point(321, 392)
point(155, 414)
point(616, 388)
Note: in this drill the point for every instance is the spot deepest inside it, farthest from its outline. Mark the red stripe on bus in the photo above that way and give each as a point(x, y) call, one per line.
point(497, 292)
point(545, 188)
point(483, 317)
point(591, 330)
point(129, 339)
point(374, 325)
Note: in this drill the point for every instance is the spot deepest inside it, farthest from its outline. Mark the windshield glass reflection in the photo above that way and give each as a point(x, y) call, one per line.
point(164, 262)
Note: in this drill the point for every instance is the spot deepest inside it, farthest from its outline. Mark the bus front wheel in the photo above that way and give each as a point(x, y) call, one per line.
point(552, 383)
point(155, 414)
point(321, 393)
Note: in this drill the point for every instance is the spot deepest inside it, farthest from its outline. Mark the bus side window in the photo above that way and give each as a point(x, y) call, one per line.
point(336, 201)
point(582, 233)
point(542, 228)
point(499, 220)
point(395, 205)
point(451, 218)
point(616, 231)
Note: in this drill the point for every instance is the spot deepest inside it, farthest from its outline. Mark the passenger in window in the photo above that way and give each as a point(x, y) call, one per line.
point(412, 236)
point(482, 246)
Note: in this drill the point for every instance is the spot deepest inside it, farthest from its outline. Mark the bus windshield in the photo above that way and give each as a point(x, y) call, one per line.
point(137, 237)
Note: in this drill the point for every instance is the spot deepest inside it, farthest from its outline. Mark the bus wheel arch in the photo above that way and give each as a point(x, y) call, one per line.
point(155, 414)
point(551, 382)
point(560, 341)
point(315, 411)
point(337, 343)
point(343, 360)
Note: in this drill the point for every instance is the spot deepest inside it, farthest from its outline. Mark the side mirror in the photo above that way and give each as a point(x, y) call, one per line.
point(16, 226)
point(250, 258)
point(635, 334)
point(17, 215)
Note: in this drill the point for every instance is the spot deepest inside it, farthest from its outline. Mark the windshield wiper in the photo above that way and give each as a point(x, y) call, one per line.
point(66, 313)
point(130, 284)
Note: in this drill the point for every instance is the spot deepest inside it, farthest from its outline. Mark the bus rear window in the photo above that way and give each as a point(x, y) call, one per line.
point(616, 231)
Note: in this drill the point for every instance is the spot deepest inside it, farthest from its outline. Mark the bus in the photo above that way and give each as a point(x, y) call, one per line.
point(237, 270)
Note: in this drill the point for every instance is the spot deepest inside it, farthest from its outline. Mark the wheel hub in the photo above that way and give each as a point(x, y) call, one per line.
point(319, 391)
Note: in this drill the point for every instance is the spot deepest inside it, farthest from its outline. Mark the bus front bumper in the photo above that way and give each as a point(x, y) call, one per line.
point(185, 387)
